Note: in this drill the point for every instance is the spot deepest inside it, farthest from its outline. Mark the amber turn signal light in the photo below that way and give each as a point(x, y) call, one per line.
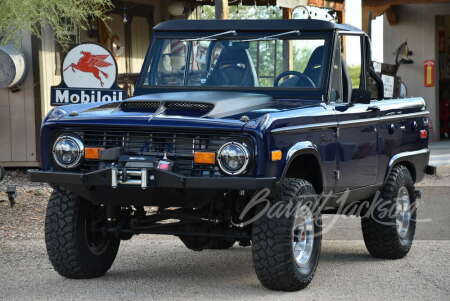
point(277, 155)
point(92, 152)
point(204, 158)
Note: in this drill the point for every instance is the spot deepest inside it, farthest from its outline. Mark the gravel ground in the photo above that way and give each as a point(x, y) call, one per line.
point(160, 267)
point(26, 219)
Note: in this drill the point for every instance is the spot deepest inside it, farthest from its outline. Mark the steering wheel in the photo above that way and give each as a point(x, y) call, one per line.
point(303, 80)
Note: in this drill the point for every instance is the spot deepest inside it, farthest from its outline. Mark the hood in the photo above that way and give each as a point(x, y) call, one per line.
point(207, 104)
point(181, 109)
point(195, 104)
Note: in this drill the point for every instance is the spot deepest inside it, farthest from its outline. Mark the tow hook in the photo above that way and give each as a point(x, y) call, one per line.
point(418, 194)
point(11, 192)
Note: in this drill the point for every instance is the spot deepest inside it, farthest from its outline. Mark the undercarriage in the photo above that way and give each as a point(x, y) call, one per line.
point(213, 218)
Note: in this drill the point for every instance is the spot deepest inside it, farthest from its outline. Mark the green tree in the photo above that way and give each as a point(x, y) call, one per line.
point(355, 75)
point(61, 15)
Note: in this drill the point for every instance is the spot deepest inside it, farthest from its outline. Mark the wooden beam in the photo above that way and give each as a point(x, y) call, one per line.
point(391, 16)
point(365, 15)
point(339, 6)
point(287, 13)
point(288, 53)
point(376, 11)
point(222, 10)
point(375, 3)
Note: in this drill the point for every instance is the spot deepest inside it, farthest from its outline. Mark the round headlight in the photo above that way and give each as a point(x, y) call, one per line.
point(233, 158)
point(68, 151)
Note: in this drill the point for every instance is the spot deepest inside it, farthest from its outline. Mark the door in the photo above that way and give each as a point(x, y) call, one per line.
point(357, 159)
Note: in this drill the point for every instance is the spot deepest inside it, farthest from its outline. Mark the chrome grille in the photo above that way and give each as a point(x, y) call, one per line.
point(178, 146)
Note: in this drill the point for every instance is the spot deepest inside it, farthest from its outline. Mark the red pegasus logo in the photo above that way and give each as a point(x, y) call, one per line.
point(91, 63)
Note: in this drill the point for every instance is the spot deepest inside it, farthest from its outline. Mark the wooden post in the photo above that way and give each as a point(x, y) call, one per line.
point(391, 16)
point(288, 53)
point(222, 10)
point(365, 16)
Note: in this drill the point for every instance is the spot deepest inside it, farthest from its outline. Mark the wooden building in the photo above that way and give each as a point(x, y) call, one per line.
point(127, 34)
point(425, 25)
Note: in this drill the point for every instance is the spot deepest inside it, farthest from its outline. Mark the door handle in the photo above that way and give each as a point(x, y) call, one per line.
point(373, 108)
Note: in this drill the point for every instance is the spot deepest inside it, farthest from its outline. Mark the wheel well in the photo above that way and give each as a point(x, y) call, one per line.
point(410, 166)
point(306, 167)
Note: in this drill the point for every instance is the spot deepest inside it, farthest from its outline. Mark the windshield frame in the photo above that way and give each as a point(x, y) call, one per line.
point(290, 93)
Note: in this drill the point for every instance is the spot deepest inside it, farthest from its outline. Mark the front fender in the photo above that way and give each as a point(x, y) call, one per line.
point(303, 148)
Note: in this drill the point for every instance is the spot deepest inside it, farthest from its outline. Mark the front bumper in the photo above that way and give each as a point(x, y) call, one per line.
point(155, 179)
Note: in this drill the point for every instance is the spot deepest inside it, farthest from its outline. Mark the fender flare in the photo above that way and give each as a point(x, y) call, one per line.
point(299, 149)
point(413, 158)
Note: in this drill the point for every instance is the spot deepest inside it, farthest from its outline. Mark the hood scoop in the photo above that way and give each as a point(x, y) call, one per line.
point(180, 108)
point(210, 104)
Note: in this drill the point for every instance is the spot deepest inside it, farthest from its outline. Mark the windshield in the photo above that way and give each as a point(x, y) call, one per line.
point(265, 62)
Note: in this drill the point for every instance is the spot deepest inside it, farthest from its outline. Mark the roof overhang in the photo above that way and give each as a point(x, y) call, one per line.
point(251, 25)
point(375, 8)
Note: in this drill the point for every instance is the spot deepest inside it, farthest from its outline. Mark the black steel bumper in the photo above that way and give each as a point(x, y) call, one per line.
point(157, 178)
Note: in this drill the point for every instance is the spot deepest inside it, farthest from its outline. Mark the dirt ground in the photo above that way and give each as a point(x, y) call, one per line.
point(158, 267)
point(26, 219)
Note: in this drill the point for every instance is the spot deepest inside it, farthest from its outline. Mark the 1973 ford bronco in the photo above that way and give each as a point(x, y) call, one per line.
point(233, 125)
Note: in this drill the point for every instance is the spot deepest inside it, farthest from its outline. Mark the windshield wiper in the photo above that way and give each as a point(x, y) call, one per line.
point(275, 36)
point(214, 36)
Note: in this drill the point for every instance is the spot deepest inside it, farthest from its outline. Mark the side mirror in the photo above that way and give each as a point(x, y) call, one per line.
point(361, 96)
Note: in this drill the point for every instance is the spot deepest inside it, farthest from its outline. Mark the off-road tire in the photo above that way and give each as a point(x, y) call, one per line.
point(272, 248)
point(199, 243)
point(66, 239)
point(379, 229)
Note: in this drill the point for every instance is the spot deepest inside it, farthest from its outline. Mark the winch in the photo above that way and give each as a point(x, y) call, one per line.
point(136, 170)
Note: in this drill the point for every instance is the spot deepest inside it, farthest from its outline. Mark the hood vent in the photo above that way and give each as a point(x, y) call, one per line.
point(181, 108)
point(184, 108)
point(140, 106)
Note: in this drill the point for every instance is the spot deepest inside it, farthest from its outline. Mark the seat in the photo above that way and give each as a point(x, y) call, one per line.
point(314, 68)
point(233, 67)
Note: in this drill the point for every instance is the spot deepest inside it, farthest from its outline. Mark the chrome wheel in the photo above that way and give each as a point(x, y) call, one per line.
point(303, 235)
point(403, 212)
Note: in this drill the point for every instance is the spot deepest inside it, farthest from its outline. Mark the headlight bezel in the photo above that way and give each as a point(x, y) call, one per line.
point(243, 168)
point(79, 157)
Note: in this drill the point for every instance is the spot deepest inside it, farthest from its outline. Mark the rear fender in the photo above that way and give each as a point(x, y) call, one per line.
point(416, 162)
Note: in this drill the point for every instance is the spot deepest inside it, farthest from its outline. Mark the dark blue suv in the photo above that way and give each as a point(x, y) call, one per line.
point(239, 131)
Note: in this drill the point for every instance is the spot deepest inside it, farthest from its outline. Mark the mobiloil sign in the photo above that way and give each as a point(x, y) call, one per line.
point(89, 74)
